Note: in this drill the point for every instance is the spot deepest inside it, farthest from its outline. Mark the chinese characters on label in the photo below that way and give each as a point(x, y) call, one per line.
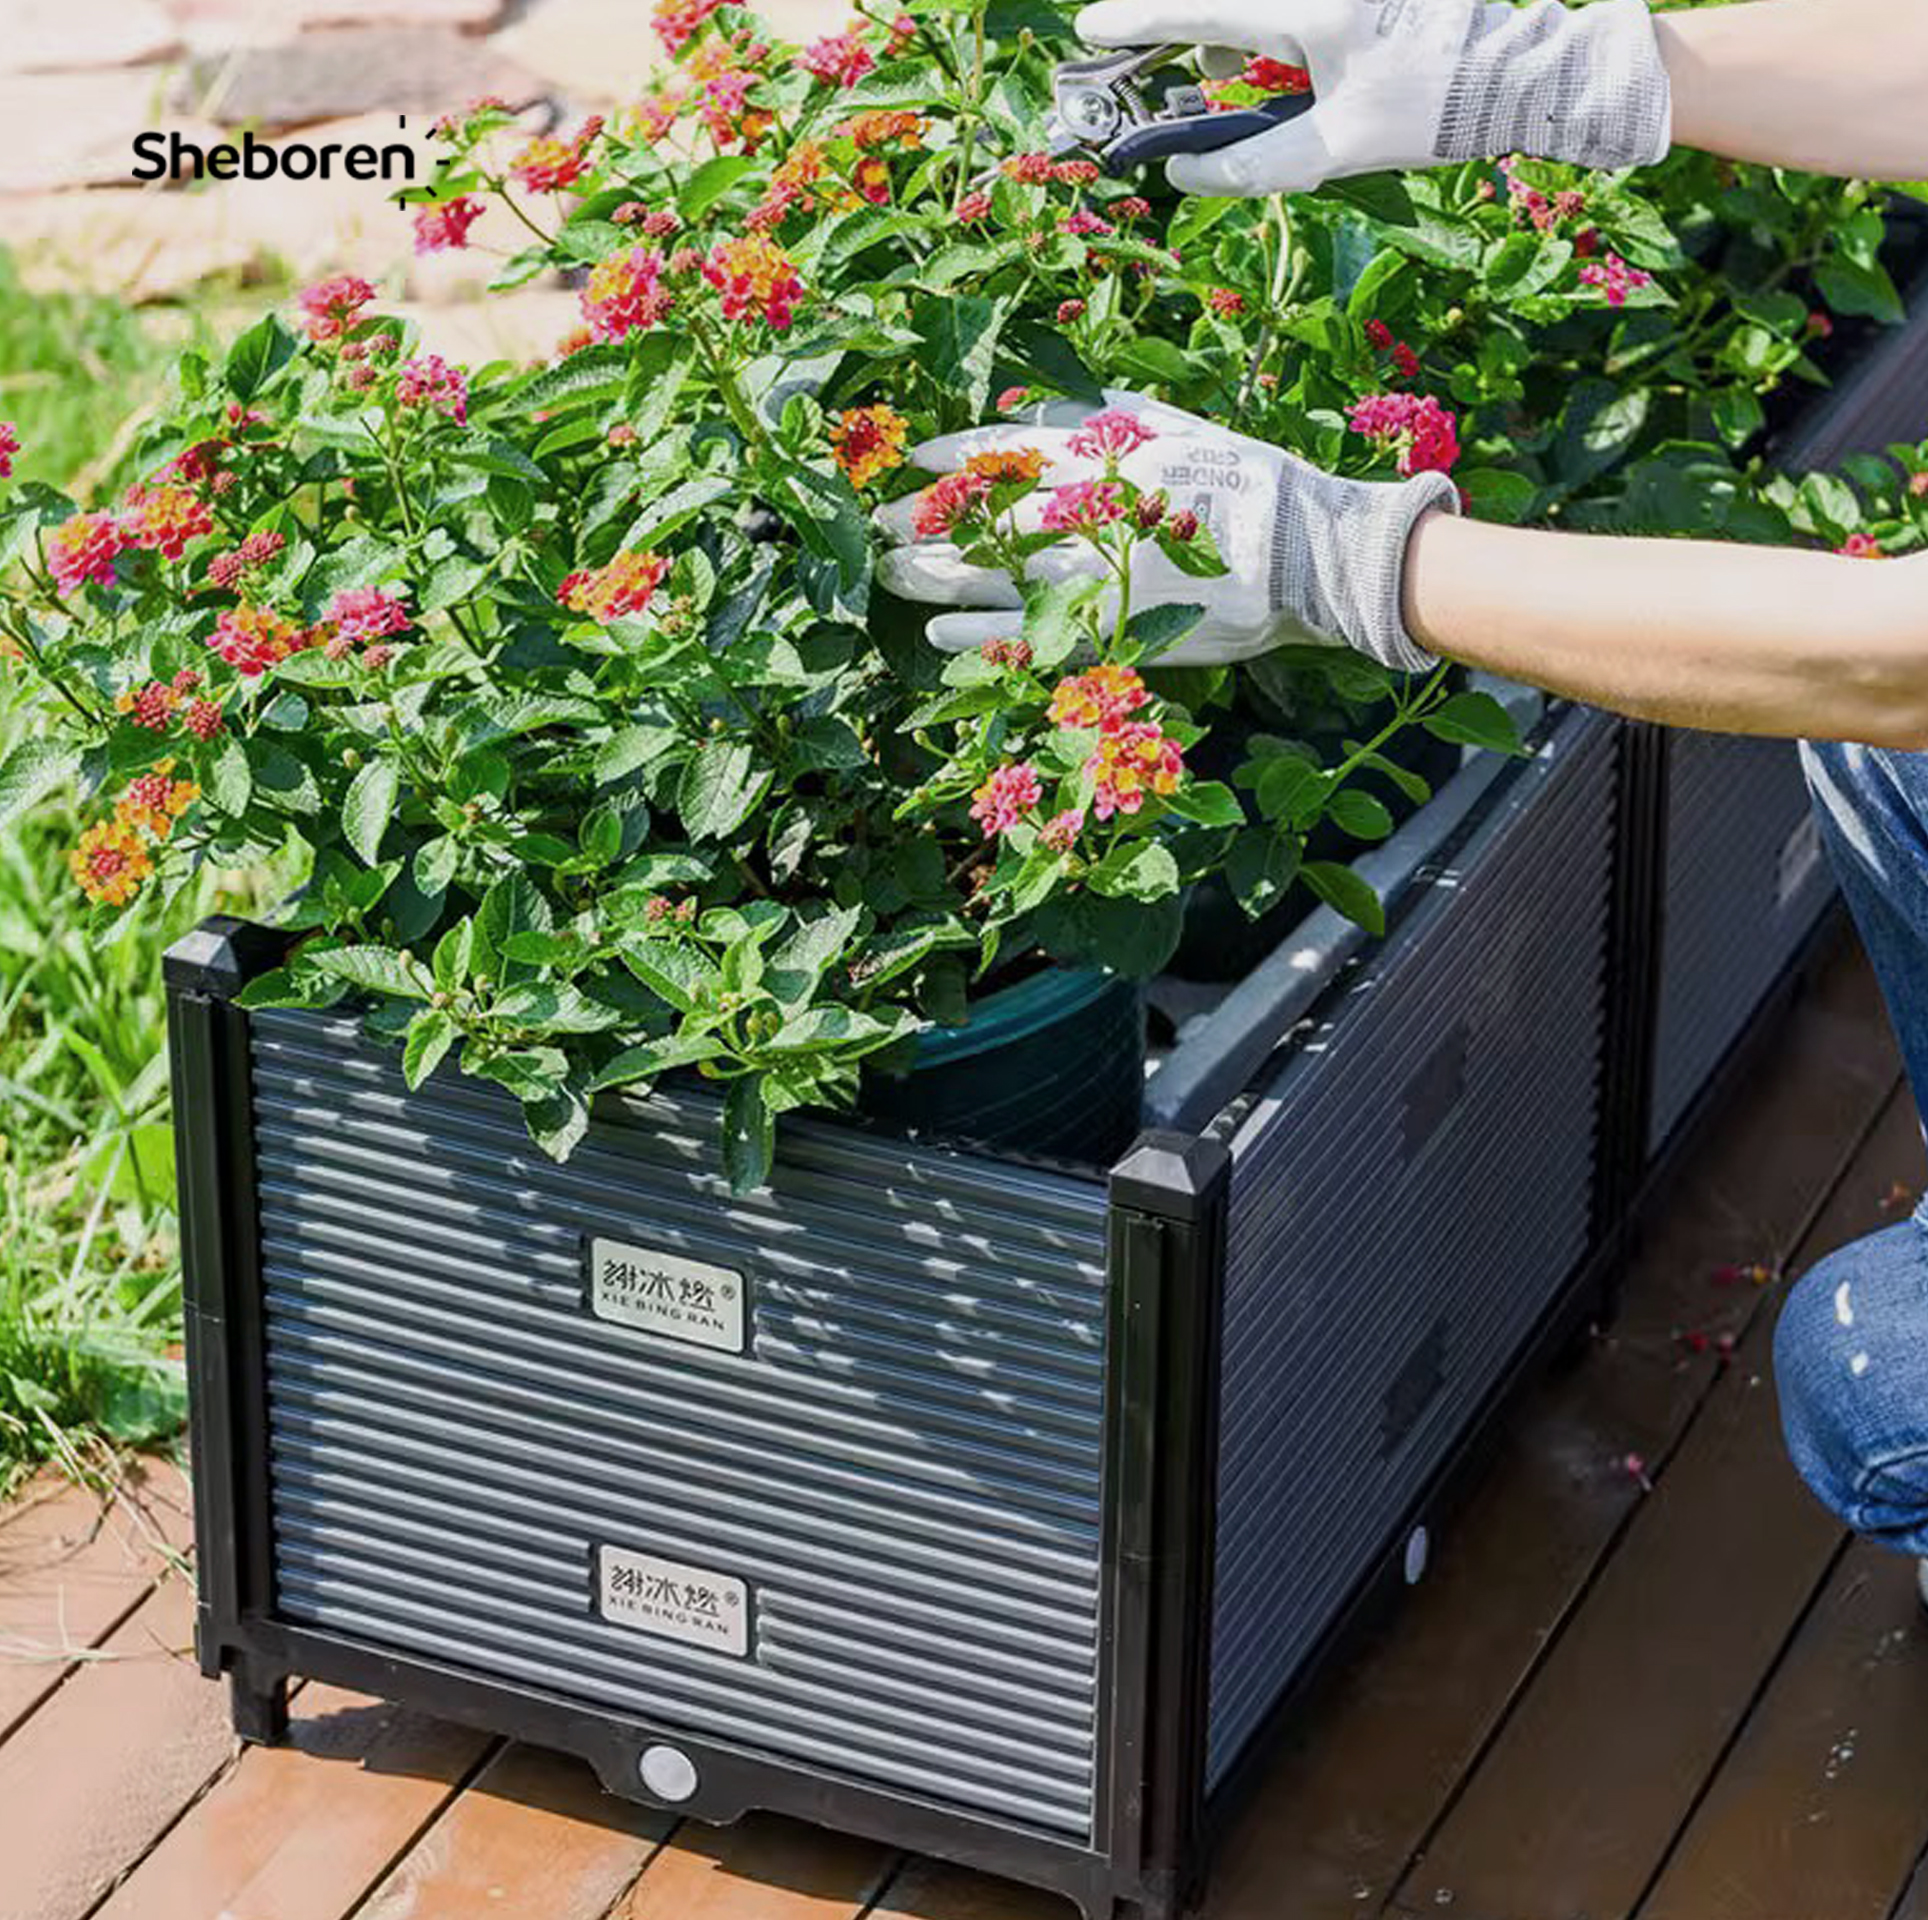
point(691, 1604)
point(667, 1294)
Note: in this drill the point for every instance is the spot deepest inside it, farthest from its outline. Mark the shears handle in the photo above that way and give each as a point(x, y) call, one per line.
point(1201, 133)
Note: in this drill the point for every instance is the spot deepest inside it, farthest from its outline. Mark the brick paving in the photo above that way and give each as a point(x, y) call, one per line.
point(79, 82)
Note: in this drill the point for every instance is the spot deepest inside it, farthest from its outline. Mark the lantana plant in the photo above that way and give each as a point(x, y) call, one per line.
point(564, 691)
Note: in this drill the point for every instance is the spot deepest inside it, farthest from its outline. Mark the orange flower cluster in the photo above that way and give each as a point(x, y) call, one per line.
point(1131, 762)
point(1102, 696)
point(624, 586)
point(757, 279)
point(152, 803)
point(165, 519)
point(110, 864)
point(253, 639)
point(883, 127)
point(868, 441)
point(114, 857)
point(999, 467)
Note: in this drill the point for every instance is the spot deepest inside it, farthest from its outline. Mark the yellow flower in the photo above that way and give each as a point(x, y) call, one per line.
point(110, 863)
point(869, 441)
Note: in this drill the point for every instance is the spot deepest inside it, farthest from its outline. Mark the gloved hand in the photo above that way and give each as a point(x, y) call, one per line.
point(1310, 558)
point(1413, 83)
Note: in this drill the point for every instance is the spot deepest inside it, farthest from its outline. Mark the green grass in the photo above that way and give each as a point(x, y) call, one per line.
point(89, 1274)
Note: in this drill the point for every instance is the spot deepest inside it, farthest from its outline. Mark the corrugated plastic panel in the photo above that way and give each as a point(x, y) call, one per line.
point(1746, 881)
point(1407, 1201)
point(891, 1496)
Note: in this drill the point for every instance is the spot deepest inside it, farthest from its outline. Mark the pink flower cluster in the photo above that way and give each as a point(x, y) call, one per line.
point(429, 381)
point(361, 616)
point(945, 502)
point(839, 59)
point(165, 519)
point(1415, 426)
point(9, 447)
point(226, 569)
point(1006, 797)
point(1084, 506)
point(446, 223)
point(625, 294)
point(1111, 435)
point(1613, 277)
point(334, 305)
point(84, 548)
point(677, 22)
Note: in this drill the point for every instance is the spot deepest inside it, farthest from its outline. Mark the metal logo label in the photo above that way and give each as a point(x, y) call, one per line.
point(693, 1605)
point(666, 1294)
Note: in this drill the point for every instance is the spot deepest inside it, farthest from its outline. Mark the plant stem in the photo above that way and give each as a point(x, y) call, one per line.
point(975, 104)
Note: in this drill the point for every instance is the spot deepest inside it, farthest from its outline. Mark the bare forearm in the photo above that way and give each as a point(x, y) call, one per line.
point(1830, 86)
point(1730, 638)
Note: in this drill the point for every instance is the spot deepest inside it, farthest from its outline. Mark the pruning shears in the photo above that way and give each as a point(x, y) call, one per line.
point(1137, 105)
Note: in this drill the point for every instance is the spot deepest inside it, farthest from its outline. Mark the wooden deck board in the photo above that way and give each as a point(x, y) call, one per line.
point(1576, 1803)
point(1823, 1805)
point(534, 1835)
point(763, 1868)
point(72, 1568)
point(94, 1778)
point(302, 1832)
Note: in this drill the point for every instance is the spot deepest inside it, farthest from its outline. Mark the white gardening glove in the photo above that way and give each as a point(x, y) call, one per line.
point(1414, 83)
point(1310, 558)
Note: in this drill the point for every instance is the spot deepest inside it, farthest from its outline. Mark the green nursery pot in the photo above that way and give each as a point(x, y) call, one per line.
point(1052, 1065)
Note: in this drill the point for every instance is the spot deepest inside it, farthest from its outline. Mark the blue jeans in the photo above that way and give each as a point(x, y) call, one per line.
point(1851, 1349)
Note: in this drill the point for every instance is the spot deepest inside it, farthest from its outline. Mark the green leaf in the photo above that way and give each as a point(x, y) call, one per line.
point(369, 806)
point(1261, 866)
point(1156, 630)
point(1359, 814)
point(1496, 493)
point(1040, 355)
point(710, 182)
point(1851, 288)
point(379, 969)
point(1475, 720)
point(430, 1035)
point(1339, 887)
point(1207, 803)
point(34, 769)
point(1137, 870)
point(655, 1058)
point(258, 356)
point(749, 1135)
point(530, 1073)
point(1738, 415)
point(231, 778)
point(453, 954)
point(676, 975)
point(960, 334)
point(720, 787)
point(435, 863)
point(1052, 627)
point(557, 1121)
point(632, 747)
point(1601, 426)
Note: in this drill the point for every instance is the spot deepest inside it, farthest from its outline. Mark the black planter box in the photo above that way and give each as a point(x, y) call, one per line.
point(992, 1509)
point(1743, 888)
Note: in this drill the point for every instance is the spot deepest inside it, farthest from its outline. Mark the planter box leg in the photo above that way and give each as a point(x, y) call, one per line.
point(258, 1705)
